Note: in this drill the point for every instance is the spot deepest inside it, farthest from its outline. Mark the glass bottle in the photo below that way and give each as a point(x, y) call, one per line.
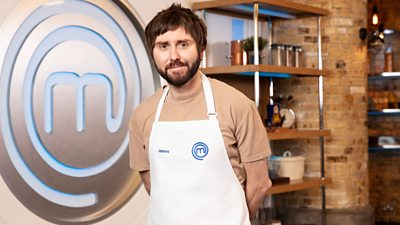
point(276, 117)
point(388, 60)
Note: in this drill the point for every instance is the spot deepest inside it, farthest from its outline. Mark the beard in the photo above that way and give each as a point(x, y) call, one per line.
point(179, 80)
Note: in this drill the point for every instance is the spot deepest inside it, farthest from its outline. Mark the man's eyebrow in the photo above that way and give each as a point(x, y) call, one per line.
point(179, 41)
point(185, 40)
point(161, 42)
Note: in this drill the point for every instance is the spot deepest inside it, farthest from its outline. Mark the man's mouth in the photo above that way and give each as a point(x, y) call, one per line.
point(176, 66)
point(177, 69)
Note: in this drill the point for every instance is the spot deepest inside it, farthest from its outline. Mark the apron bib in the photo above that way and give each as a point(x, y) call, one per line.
point(192, 180)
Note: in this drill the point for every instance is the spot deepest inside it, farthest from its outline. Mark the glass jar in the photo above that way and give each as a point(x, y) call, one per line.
point(278, 54)
point(289, 55)
point(297, 55)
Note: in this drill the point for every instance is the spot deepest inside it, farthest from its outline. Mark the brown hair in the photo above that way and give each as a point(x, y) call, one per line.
point(171, 19)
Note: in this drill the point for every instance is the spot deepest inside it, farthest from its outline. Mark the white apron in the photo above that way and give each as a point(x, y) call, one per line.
point(192, 180)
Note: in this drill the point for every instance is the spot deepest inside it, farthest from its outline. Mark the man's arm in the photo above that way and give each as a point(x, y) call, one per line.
point(257, 184)
point(145, 175)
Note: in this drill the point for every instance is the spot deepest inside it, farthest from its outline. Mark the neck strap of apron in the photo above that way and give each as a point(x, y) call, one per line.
point(212, 114)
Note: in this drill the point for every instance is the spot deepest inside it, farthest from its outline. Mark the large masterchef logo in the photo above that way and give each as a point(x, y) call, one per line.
point(71, 74)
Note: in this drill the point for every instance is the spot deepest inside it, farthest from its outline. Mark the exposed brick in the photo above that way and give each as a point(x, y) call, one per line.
point(342, 21)
point(336, 159)
point(348, 150)
point(340, 64)
point(303, 30)
point(310, 39)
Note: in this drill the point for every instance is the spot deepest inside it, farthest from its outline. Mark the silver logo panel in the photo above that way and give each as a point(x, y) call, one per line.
point(71, 74)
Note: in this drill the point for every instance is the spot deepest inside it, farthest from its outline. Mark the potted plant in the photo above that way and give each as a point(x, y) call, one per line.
point(248, 47)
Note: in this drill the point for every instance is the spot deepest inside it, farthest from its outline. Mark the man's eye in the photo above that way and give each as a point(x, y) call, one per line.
point(163, 46)
point(183, 45)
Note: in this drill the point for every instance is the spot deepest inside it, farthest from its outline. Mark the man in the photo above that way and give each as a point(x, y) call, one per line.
point(199, 144)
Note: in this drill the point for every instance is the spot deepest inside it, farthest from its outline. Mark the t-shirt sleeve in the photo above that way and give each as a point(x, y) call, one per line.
point(138, 155)
point(252, 139)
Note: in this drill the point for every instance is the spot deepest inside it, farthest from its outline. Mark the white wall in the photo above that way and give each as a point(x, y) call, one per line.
point(149, 10)
point(6, 6)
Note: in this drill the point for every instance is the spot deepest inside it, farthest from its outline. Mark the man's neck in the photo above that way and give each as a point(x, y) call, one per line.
point(187, 89)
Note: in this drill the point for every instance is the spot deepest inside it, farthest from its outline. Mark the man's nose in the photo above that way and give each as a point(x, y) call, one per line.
point(174, 54)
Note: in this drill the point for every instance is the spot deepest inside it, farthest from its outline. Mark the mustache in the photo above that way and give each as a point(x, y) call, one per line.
point(175, 63)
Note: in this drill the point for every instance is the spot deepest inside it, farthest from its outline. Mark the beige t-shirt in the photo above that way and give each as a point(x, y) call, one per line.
point(242, 130)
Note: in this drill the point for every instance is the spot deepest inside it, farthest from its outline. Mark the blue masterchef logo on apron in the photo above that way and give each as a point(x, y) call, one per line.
point(199, 150)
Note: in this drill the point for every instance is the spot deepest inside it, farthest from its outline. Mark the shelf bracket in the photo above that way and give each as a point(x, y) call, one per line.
point(256, 56)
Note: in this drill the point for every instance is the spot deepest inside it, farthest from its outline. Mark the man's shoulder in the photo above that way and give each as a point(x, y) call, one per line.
point(147, 108)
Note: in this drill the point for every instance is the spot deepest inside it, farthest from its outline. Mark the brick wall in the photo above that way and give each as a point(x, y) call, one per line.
point(345, 103)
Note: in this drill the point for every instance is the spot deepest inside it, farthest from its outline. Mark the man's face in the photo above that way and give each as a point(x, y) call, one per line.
point(176, 57)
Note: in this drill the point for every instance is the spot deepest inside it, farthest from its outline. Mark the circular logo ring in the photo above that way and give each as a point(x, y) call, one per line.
point(199, 150)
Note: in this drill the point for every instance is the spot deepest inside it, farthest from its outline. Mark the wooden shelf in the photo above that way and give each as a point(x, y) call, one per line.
point(384, 75)
point(297, 185)
point(267, 8)
point(393, 148)
point(385, 112)
point(381, 132)
point(296, 134)
point(265, 70)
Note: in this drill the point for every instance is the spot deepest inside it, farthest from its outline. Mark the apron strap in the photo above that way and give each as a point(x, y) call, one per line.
point(161, 103)
point(212, 114)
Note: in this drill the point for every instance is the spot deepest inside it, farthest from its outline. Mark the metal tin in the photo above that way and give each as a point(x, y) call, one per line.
point(236, 52)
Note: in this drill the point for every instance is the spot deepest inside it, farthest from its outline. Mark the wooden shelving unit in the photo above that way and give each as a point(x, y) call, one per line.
point(271, 8)
point(296, 134)
point(306, 183)
point(266, 10)
point(393, 133)
point(297, 185)
point(265, 70)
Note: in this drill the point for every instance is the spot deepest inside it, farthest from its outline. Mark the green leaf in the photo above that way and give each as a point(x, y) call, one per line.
point(248, 43)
